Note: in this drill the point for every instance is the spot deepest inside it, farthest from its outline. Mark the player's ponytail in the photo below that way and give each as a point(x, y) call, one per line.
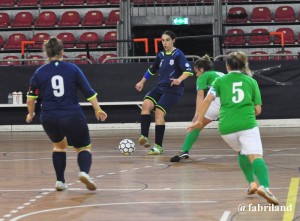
point(205, 62)
point(239, 61)
point(53, 47)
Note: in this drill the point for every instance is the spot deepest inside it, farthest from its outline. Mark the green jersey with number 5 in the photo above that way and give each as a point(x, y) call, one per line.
point(238, 94)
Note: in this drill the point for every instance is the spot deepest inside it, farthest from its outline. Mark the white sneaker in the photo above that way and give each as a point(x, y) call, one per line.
point(267, 194)
point(85, 178)
point(252, 188)
point(60, 186)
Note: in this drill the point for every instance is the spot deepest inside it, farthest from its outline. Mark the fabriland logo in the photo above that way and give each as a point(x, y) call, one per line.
point(244, 208)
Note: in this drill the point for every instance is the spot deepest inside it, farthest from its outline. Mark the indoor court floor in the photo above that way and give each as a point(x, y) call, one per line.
point(209, 186)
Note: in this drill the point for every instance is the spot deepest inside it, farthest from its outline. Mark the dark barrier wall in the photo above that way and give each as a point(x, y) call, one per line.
point(280, 88)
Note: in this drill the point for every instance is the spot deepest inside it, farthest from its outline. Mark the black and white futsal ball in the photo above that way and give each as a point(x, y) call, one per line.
point(127, 147)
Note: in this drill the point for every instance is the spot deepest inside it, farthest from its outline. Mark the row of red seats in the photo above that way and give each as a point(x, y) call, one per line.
point(34, 3)
point(102, 59)
point(261, 14)
point(69, 40)
point(68, 18)
point(289, 37)
point(20, 3)
point(264, 58)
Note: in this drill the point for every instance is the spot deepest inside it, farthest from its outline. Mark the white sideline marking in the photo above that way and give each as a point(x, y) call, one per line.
point(110, 204)
point(225, 216)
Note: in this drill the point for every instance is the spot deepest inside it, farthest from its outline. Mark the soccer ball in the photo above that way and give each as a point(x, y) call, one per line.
point(127, 146)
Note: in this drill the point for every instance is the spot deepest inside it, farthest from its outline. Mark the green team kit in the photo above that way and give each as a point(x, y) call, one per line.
point(238, 94)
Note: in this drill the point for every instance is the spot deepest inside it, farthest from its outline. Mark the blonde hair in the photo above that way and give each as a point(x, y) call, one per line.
point(239, 61)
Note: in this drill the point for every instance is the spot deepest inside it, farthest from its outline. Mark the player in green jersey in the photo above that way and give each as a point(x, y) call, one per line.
point(240, 103)
point(205, 73)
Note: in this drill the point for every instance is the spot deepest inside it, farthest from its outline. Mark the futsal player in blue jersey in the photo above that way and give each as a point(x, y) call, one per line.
point(62, 118)
point(172, 69)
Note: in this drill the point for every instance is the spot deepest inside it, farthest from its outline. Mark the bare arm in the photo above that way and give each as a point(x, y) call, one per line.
point(139, 86)
point(30, 108)
point(199, 101)
point(177, 81)
point(204, 107)
point(99, 113)
point(257, 109)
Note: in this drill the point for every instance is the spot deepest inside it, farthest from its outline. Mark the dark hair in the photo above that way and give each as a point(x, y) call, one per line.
point(205, 63)
point(170, 33)
point(53, 47)
point(238, 61)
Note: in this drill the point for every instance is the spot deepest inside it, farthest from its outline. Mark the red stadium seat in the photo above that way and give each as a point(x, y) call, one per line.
point(189, 1)
point(110, 61)
point(284, 14)
point(73, 2)
point(114, 2)
point(46, 19)
point(289, 57)
point(9, 62)
point(69, 18)
point(67, 38)
point(92, 18)
point(261, 14)
point(84, 61)
point(7, 3)
point(237, 15)
point(88, 37)
point(109, 36)
point(289, 36)
point(4, 20)
point(113, 18)
point(22, 19)
point(143, 2)
point(14, 41)
point(237, 1)
point(259, 39)
point(50, 2)
point(39, 39)
point(166, 1)
point(96, 2)
point(258, 58)
point(33, 60)
point(235, 40)
point(21, 3)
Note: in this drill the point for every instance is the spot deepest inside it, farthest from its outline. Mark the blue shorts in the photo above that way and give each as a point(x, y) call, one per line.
point(73, 127)
point(164, 98)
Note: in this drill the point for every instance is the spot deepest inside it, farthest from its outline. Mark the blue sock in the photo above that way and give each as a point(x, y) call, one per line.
point(59, 162)
point(84, 160)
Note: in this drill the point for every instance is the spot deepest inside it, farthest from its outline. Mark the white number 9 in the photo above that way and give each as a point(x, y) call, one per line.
point(240, 93)
point(58, 85)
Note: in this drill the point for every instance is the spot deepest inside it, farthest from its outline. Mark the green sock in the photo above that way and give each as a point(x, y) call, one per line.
point(261, 171)
point(190, 139)
point(246, 167)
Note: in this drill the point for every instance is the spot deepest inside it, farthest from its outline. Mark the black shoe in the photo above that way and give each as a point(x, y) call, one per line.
point(181, 155)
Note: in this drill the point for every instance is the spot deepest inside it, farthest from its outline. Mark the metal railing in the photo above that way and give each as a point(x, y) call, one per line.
point(271, 56)
point(23, 60)
point(129, 59)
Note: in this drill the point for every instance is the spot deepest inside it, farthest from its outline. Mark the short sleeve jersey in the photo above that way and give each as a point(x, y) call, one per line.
point(238, 94)
point(205, 80)
point(57, 83)
point(170, 65)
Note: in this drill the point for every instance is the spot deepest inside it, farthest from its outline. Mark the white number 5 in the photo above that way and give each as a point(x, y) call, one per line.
point(240, 93)
point(58, 85)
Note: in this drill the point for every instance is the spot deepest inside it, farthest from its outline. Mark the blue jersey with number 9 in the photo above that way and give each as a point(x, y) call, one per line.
point(56, 83)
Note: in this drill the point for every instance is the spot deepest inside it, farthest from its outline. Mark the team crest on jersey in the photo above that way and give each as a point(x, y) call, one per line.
point(187, 65)
point(171, 62)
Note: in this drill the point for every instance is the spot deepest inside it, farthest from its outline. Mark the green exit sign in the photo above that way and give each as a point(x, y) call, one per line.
point(180, 21)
